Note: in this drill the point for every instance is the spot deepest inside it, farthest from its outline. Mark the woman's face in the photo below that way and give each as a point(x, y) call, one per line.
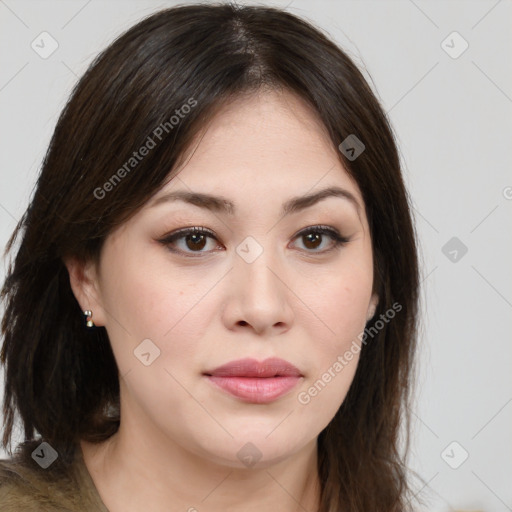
point(259, 283)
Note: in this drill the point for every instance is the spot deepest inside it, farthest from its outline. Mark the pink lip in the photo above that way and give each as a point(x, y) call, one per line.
point(256, 382)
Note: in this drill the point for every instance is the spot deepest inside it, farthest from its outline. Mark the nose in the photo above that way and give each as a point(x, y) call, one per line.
point(259, 296)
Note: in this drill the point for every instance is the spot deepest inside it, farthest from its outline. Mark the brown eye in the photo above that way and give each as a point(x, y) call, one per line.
point(312, 240)
point(189, 241)
point(314, 236)
point(195, 241)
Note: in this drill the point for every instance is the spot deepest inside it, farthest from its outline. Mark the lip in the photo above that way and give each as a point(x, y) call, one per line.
point(248, 367)
point(254, 381)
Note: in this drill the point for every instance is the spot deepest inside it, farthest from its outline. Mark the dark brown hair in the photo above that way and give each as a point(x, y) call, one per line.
point(61, 379)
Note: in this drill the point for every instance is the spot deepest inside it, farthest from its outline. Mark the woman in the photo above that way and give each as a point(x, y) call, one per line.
point(213, 305)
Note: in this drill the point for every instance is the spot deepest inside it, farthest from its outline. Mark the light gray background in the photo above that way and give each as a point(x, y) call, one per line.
point(453, 120)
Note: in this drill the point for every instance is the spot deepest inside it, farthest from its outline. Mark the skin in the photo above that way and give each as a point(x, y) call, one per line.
point(179, 436)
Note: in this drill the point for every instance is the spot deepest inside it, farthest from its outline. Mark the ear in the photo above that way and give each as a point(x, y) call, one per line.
point(374, 301)
point(83, 278)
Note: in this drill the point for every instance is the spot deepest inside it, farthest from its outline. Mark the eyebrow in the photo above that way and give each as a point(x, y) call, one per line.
point(223, 205)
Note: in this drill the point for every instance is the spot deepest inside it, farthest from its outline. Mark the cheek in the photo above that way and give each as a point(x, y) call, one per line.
point(340, 300)
point(335, 346)
point(346, 308)
point(148, 298)
point(341, 303)
point(138, 298)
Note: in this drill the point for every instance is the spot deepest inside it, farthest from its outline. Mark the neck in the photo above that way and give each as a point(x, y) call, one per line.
point(137, 470)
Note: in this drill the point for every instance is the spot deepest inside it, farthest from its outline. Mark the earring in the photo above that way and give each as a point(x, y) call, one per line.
point(88, 315)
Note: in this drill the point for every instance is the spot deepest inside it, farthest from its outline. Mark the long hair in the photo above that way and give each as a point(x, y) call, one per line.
point(62, 380)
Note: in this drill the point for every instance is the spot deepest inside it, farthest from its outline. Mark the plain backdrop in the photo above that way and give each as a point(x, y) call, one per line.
point(449, 98)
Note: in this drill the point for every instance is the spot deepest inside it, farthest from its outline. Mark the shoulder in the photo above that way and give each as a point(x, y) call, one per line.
point(26, 487)
point(16, 494)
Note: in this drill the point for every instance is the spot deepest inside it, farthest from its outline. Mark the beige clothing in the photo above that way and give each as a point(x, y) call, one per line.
point(26, 486)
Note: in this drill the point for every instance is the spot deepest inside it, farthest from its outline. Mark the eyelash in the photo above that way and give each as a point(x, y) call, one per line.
point(338, 239)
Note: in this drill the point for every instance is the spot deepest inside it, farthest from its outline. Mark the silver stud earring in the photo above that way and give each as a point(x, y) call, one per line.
point(88, 315)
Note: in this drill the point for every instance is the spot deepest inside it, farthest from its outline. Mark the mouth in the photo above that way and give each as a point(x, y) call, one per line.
point(257, 390)
point(272, 367)
point(255, 382)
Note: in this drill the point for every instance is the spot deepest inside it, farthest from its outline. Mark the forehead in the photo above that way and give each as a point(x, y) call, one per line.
point(269, 143)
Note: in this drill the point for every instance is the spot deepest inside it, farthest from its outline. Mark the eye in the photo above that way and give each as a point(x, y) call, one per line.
point(188, 241)
point(194, 240)
point(313, 238)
